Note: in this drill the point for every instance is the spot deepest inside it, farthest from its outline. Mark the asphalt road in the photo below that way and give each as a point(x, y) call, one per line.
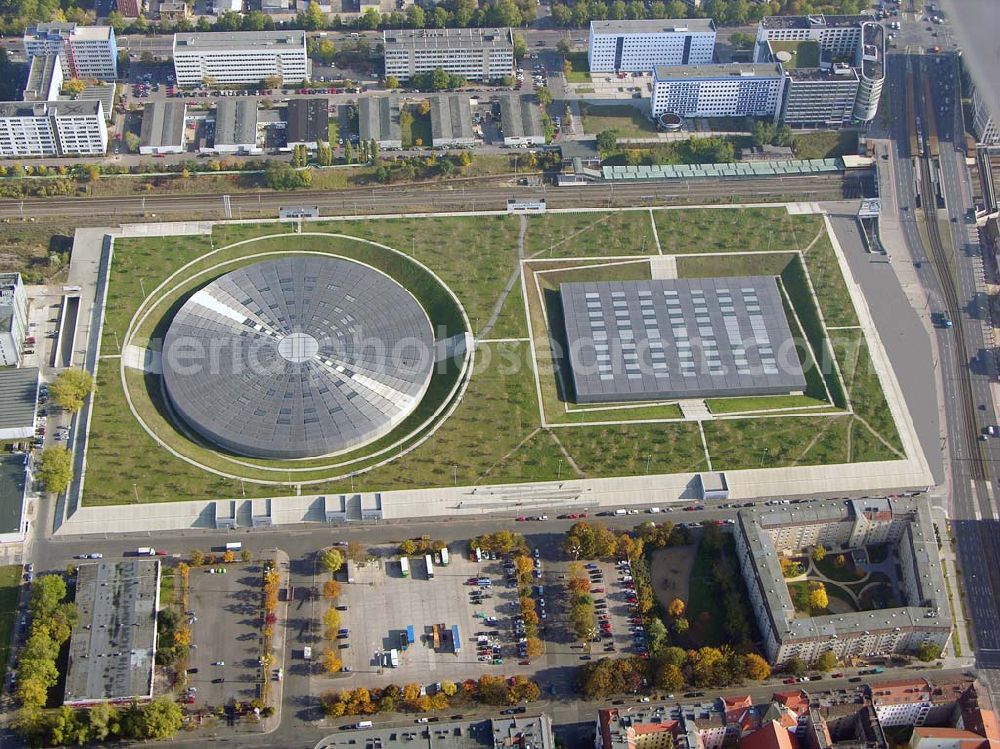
point(474, 197)
point(971, 500)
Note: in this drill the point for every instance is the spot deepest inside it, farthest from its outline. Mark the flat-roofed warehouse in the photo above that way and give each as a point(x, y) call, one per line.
point(521, 121)
point(307, 122)
point(451, 121)
point(378, 120)
point(18, 401)
point(162, 128)
point(113, 643)
point(236, 126)
point(679, 338)
point(14, 478)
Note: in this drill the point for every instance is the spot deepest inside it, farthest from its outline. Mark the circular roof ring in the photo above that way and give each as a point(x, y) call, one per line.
point(297, 357)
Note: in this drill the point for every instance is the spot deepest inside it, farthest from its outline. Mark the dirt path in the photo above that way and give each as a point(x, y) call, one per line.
point(670, 571)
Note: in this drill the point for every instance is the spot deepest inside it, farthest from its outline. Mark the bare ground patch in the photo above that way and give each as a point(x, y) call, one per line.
point(670, 571)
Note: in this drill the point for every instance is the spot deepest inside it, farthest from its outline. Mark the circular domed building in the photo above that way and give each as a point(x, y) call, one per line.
point(297, 357)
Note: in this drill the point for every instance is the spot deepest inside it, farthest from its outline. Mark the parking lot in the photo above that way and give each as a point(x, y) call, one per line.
point(481, 599)
point(382, 604)
point(224, 611)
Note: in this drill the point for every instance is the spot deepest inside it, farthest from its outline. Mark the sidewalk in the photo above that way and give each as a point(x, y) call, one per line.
point(961, 649)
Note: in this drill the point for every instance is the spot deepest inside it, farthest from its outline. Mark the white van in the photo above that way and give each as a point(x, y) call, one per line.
point(364, 724)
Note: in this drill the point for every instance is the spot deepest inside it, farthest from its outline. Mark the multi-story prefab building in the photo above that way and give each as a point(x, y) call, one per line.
point(819, 83)
point(920, 616)
point(639, 46)
point(240, 57)
point(817, 97)
point(730, 90)
point(85, 51)
point(45, 78)
point(26, 130)
point(13, 323)
point(55, 128)
point(476, 54)
point(81, 128)
point(870, 64)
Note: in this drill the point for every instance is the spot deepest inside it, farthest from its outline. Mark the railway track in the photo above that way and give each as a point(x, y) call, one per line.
point(943, 265)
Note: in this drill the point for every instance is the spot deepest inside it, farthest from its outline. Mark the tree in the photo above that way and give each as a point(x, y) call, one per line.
point(161, 719)
point(756, 667)
point(314, 17)
point(763, 133)
point(681, 625)
point(607, 141)
point(408, 547)
point(818, 554)
point(657, 633)
point(533, 647)
point(676, 608)
point(520, 46)
point(818, 600)
point(70, 389)
point(543, 95)
point(356, 552)
point(331, 560)
point(331, 589)
point(46, 593)
point(273, 81)
point(228, 556)
point(416, 18)
point(197, 558)
point(331, 662)
point(132, 142)
point(795, 666)
point(669, 677)
point(840, 561)
point(825, 662)
point(331, 623)
point(928, 651)
point(55, 469)
point(391, 82)
point(282, 176)
point(562, 46)
point(74, 86)
point(245, 555)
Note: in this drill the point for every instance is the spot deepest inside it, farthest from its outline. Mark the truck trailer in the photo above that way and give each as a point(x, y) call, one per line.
point(404, 566)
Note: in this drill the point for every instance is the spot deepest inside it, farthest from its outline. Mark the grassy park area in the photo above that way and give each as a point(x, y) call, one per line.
point(10, 580)
point(125, 464)
point(629, 121)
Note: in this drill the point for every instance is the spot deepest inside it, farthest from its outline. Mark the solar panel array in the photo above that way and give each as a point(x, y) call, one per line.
point(298, 357)
point(682, 338)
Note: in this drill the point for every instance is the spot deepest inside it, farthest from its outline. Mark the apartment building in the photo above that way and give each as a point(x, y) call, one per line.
point(639, 46)
point(55, 128)
point(476, 54)
point(13, 325)
point(921, 616)
point(240, 57)
point(729, 90)
point(870, 64)
point(87, 52)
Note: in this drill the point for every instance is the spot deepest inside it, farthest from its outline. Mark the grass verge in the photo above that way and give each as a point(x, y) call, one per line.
point(629, 121)
point(10, 580)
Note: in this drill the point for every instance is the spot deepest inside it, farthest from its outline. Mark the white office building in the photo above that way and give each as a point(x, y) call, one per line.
point(45, 79)
point(81, 128)
point(26, 130)
point(838, 35)
point(639, 46)
point(476, 54)
point(13, 329)
point(731, 90)
point(240, 57)
point(55, 128)
point(86, 52)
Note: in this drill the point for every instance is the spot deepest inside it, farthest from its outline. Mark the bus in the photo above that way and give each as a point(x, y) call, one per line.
point(404, 566)
point(430, 566)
